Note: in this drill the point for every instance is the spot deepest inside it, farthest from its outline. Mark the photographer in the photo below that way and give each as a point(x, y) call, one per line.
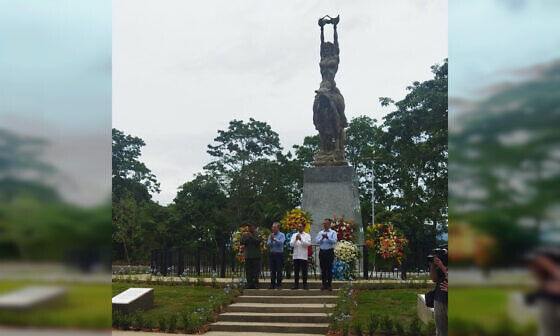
point(438, 274)
point(544, 263)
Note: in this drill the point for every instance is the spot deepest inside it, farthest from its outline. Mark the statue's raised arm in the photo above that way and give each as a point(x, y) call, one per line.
point(335, 34)
point(328, 107)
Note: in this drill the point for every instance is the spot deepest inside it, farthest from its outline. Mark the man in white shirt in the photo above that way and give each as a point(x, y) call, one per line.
point(300, 242)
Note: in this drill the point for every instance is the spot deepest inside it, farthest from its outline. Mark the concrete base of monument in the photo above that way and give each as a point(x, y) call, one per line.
point(332, 191)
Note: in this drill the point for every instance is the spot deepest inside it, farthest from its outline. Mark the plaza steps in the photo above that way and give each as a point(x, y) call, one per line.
point(280, 308)
point(312, 284)
point(278, 299)
point(307, 328)
point(288, 292)
point(278, 311)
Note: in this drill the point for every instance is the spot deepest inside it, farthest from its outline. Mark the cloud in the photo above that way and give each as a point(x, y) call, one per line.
point(181, 72)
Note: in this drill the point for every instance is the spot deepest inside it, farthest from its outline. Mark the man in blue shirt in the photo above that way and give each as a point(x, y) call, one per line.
point(276, 244)
point(326, 240)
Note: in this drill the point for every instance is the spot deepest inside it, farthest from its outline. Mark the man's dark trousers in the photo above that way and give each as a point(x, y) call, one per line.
point(326, 258)
point(276, 264)
point(252, 270)
point(300, 264)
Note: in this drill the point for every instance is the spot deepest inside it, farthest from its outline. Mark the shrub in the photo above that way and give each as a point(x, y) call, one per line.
point(138, 320)
point(214, 280)
point(399, 330)
point(386, 324)
point(430, 328)
point(125, 322)
point(372, 325)
point(172, 323)
point(162, 325)
point(345, 327)
point(186, 322)
point(414, 326)
point(117, 316)
point(148, 324)
point(357, 328)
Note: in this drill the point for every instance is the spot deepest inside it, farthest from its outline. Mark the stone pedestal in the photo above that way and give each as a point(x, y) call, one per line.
point(332, 191)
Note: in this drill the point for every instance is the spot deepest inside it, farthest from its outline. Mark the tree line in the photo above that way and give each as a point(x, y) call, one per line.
point(251, 178)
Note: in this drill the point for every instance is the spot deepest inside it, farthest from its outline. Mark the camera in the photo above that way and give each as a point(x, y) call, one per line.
point(544, 262)
point(440, 252)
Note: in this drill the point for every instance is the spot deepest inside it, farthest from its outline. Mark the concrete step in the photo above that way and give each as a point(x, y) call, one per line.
point(288, 292)
point(244, 333)
point(280, 308)
point(310, 284)
point(307, 328)
point(275, 317)
point(287, 299)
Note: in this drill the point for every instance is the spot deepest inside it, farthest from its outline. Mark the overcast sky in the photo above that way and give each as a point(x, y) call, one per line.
point(182, 69)
point(55, 84)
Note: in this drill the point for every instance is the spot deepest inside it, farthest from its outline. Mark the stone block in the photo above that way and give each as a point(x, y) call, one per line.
point(31, 297)
point(134, 299)
point(424, 313)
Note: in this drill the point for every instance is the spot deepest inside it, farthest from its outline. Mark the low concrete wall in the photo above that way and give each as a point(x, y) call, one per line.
point(424, 313)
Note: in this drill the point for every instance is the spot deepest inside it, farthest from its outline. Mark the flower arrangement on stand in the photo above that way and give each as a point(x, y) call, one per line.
point(344, 229)
point(346, 254)
point(386, 242)
point(240, 248)
point(293, 218)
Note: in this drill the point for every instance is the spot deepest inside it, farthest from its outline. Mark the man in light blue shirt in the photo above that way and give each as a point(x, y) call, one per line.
point(275, 243)
point(326, 239)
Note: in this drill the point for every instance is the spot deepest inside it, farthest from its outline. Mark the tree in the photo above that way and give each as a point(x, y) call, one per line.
point(413, 158)
point(265, 184)
point(239, 145)
point(305, 153)
point(505, 178)
point(199, 211)
point(126, 228)
point(126, 166)
point(362, 144)
point(132, 206)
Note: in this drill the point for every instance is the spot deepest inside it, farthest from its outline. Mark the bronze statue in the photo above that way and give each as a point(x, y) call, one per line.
point(328, 107)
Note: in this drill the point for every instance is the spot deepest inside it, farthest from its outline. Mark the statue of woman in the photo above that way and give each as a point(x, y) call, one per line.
point(328, 107)
point(329, 56)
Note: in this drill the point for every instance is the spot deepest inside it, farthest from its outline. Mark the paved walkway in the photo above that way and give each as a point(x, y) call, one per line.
point(54, 332)
point(210, 333)
point(143, 277)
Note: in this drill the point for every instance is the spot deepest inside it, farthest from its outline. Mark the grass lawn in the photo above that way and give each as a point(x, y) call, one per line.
point(398, 304)
point(483, 307)
point(86, 306)
point(174, 300)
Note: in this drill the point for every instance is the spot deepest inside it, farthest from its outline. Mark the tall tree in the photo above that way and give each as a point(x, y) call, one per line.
point(131, 201)
point(239, 145)
point(414, 149)
point(127, 169)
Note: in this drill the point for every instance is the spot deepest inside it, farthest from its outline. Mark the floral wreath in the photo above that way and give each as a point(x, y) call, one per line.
point(240, 248)
point(293, 218)
point(344, 230)
point(386, 241)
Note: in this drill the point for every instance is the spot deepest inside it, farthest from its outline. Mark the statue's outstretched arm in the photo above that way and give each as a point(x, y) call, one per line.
point(335, 35)
point(322, 35)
